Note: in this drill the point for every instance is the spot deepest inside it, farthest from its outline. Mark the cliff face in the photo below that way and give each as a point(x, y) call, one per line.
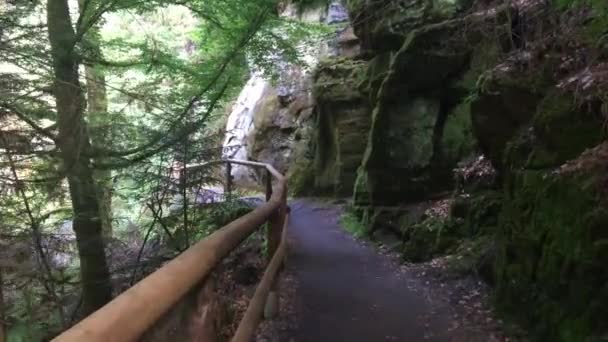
point(494, 112)
point(342, 124)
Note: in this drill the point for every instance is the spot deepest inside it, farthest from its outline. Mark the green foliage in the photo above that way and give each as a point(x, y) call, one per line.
point(171, 68)
point(474, 256)
point(549, 259)
point(598, 5)
point(203, 220)
point(221, 214)
point(25, 332)
point(428, 238)
point(352, 224)
point(595, 29)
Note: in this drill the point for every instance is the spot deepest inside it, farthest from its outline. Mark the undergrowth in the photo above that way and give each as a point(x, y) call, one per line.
point(351, 223)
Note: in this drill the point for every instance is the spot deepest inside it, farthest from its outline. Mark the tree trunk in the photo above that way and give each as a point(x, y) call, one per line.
point(2, 333)
point(72, 141)
point(97, 105)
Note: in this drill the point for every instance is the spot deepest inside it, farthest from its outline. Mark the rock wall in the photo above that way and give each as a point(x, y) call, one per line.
point(342, 123)
point(548, 142)
point(478, 124)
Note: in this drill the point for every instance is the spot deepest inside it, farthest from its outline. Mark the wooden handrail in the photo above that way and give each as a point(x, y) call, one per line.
point(253, 315)
point(131, 314)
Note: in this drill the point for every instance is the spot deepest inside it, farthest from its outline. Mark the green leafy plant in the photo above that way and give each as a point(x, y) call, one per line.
point(351, 223)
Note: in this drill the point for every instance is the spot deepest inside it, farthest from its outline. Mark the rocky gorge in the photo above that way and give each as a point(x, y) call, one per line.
point(473, 128)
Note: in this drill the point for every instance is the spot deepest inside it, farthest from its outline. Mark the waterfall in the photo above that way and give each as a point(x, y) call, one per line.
point(240, 125)
point(293, 84)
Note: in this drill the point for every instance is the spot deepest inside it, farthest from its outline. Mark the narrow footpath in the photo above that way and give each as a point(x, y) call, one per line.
point(348, 291)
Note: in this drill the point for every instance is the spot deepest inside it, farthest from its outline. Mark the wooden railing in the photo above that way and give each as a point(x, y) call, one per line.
point(131, 314)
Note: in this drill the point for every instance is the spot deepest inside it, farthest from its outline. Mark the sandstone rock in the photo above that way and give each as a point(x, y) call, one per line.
point(343, 120)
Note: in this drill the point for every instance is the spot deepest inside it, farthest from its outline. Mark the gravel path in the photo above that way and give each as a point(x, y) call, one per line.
point(336, 288)
point(347, 291)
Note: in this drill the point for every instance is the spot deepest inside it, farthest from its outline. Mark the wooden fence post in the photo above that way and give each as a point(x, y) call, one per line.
point(273, 238)
point(274, 234)
point(268, 185)
point(228, 185)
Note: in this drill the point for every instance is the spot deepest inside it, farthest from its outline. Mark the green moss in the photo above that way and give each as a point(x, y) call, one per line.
point(485, 56)
point(301, 178)
point(504, 105)
point(351, 223)
point(375, 74)
point(428, 238)
point(558, 116)
point(444, 8)
point(547, 262)
point(361, 193)
point(337, 79)
point(408, 138)
point(477, 213)
point(473, 256)
point(458, 140)
point(541, 144)
point(342, 123)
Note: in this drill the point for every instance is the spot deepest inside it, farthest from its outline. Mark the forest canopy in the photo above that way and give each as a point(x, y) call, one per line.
point(102, 105)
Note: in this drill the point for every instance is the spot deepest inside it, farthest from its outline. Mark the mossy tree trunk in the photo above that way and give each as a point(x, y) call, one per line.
point(73, 143)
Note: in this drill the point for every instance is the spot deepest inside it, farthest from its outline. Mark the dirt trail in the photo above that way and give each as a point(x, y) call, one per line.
point(349, 292)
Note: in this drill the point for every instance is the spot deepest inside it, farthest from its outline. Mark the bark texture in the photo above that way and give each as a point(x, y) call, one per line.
point(97, 112)
point(73, 141)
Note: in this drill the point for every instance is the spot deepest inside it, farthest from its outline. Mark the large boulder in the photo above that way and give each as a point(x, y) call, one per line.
point(414, 119)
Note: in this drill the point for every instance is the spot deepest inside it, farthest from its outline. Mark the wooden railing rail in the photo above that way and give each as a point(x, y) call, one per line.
point(131, 314)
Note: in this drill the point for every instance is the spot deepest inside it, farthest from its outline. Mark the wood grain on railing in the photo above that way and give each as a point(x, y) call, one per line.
point(255, 310)
point(131, 314)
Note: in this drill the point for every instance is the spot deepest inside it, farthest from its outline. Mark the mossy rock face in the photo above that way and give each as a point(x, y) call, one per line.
point(559, 131)
point(343, 120)
point(412, 148)
point(337, 80)
point(457, 140)
point(549, 259)
point(477, 213)
point(502, 107)
point(401, 147)
point(554, 252)
point(361, 192)
point(467, 234)
point(301, 173)
point(421, 124)
point(431, 237)
point(559, 116)
point(473, 256)
point(383, 25)
point(376, 72)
